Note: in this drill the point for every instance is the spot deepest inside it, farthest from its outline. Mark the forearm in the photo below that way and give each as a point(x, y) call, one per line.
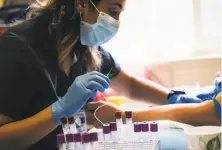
point(194, 114)
point(24, 133)
point(148, 91)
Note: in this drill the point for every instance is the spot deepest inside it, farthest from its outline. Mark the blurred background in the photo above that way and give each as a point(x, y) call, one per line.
point(172, 42)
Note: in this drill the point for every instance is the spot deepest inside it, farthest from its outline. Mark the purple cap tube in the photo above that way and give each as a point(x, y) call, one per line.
point(69, 138)
point(85, 138)
point(113, 126)
point(154, 127)
point(145, 127)
point(106, 128)
point(77, 137)
point(137, 127)
point(93, 137)
point(61, 139)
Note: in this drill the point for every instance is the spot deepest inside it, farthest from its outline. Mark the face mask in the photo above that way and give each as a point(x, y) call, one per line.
point(99, 33)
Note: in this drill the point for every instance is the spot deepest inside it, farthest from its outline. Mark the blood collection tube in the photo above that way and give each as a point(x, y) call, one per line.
point(119, 122)
point(145, 131)
point(154, 130)
point(129, 119)
point(65, 125)
point(72, 126)
point(70, 141)
point(100, 134)
point(113, 129)
point(118, 116)
point(86, 141)
point(137, 131)
point(106, 132)
point(94, 140)
point(61, 142)
point(78, 141)
point(83, 124)
point(78, 124)
point(108, 145)
point(128, 129)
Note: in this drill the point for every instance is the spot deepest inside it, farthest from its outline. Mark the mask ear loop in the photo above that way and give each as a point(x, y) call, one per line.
point(94, 6)
point(80, 14)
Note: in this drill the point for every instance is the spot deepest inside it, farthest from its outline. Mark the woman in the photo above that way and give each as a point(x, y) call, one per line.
point(52, 65)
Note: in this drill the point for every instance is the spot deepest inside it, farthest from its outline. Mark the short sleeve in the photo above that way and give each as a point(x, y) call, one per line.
point(109, 64)
point(16, 88)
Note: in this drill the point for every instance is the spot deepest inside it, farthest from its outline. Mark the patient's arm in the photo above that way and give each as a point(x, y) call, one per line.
point(194, 114)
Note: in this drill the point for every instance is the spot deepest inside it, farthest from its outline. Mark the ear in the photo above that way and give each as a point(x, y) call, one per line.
point(81, 5)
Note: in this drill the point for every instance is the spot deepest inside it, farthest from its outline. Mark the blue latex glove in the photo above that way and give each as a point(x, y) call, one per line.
point(211, 94)
point(182, 98)
point(217, 108)
point(82, 89)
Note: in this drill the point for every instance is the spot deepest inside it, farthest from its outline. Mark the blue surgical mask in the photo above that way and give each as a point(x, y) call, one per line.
point(99, 33)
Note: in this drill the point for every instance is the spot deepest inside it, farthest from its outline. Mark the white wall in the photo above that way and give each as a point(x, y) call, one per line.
point(181, 72)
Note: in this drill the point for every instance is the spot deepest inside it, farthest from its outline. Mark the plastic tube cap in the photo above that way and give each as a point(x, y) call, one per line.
point(106, 128)
point(118, 115)
point(154, 127)
point(77, 137)
point(83, 120)
point(145, 127)
point(71, 120)
point(85, 138)
point(60, 139)
point(69, 138)
point(93, 137)
point(137, 127)
point(113, 126)
point(64, 120)
point(128, 114)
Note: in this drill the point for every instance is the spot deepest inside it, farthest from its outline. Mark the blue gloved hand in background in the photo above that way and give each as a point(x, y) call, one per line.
point(182, 98)
point(82, 89)
point(212, 94)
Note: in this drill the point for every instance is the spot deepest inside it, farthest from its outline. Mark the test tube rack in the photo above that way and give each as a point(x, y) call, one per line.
point(113, 136)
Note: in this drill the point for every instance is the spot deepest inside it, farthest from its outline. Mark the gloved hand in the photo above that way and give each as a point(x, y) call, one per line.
point(183, 98)
point(212, 94)
point(82, 89)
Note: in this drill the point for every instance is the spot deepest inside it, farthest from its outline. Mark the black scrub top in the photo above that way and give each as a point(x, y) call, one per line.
point(29, 74)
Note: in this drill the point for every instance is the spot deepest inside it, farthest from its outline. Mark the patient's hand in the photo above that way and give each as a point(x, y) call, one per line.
point(105, 113)
point(211, 94)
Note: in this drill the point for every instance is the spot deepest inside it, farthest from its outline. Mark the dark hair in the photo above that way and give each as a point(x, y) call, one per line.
point(65, 26)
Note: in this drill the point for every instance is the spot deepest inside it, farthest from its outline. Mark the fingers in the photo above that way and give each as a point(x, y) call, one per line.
point(205, 96)
point(101, 75)
point(92, 95)
point(95, 86)
point(100, 80)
